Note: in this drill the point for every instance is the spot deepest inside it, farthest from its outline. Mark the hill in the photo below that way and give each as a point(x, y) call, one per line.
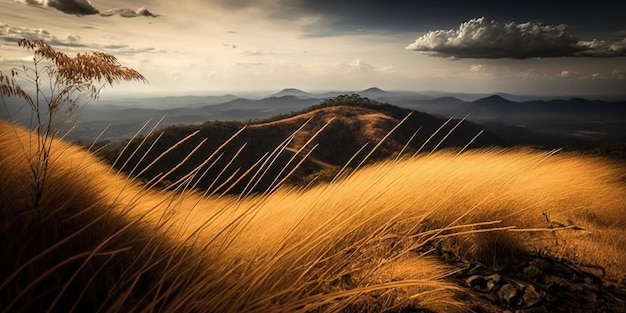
point(484, 231)
point(293, 92)
point(556, 123)
point(343, 130)
point(548, 123)
point(373, 92)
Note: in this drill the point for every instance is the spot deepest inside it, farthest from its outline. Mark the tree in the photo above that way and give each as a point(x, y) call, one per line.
point(60, 84)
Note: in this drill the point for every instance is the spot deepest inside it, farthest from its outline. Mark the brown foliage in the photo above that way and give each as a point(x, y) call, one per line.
point(59, 81)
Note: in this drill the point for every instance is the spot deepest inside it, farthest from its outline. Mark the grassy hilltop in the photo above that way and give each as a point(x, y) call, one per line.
point(340, 132)
point(384, 238)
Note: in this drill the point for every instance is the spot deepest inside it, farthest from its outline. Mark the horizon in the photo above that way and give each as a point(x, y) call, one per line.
point(220, 47)
point(327, 93)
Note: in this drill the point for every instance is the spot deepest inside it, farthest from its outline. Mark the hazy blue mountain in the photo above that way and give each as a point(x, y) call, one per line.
point(293, 92)
point(166, 102)
point(373, 93)
point(538, 120)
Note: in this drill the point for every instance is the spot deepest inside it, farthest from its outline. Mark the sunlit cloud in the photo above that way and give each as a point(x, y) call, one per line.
point(618, 74)
point(256, 53)
point(78, 7)
point(9, 33)
point(12, 34)
point(128, 50)
point(481, 38)
point(477, 68)
point(356, 65)
point(248, 64)
point(128, 12)
point(84, 7)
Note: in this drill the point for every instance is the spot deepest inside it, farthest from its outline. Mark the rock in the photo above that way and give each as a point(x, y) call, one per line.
point(483, 283)
point(531, 296)
point(510, 295)
point(494, 278)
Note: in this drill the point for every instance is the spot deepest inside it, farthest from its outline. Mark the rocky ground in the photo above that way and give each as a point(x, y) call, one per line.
point(539, 283)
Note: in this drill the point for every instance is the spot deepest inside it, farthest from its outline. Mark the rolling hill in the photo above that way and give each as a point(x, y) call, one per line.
point(520, 120)
point(352, 127)
point(488, 230)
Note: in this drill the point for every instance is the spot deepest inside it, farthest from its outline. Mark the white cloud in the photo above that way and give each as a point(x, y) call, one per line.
point(128, 12)
point(388, 69)
point(257, 53)
point(10, 33)
point(609, 75)
point(477, 68)
point(619, 47)
point(489, 39)
point(127, 50)
point(531, 74)
point(356, 65)
point(618, 74)
point(579, 75)
point(248, 64)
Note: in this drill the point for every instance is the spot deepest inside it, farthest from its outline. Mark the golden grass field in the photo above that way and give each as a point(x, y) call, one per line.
point(101, 242)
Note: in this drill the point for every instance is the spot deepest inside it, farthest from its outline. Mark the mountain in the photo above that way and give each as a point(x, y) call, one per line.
point(373, 93)
point(446, 101)
point(353, 125)
point(293, 92)
point(555, 123)
point(493, 107)
point(493, 101)
point(550, 123)
point(442, 105)
point(168, 102)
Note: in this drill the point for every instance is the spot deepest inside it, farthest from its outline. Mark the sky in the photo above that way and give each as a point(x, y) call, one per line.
point(237, 46)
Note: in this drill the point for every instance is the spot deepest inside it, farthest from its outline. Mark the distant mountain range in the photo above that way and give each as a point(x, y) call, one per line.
point(548, 122)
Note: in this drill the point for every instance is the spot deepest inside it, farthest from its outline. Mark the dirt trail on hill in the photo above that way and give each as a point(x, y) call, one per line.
point(310, 158)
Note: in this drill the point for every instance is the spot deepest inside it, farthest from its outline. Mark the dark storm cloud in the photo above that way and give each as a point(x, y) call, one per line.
point(77, 7)
point(489, 39)
point(84, 7)
point(339, 17)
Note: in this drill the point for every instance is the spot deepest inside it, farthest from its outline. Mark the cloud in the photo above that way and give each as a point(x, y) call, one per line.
point(13, 34)
point(248, 64)
point(255, 52)
point(77, 7)
point(127, 50)
point(618, 74)
point(128, 12)
point(347, 17)
point(10, 33)
point(356, 65)
point(610, 75)
point(84, 7)
point(477, 68)
point(480, 38)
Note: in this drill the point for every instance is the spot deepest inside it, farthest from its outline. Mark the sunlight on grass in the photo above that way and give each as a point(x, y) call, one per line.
point(362, 243)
